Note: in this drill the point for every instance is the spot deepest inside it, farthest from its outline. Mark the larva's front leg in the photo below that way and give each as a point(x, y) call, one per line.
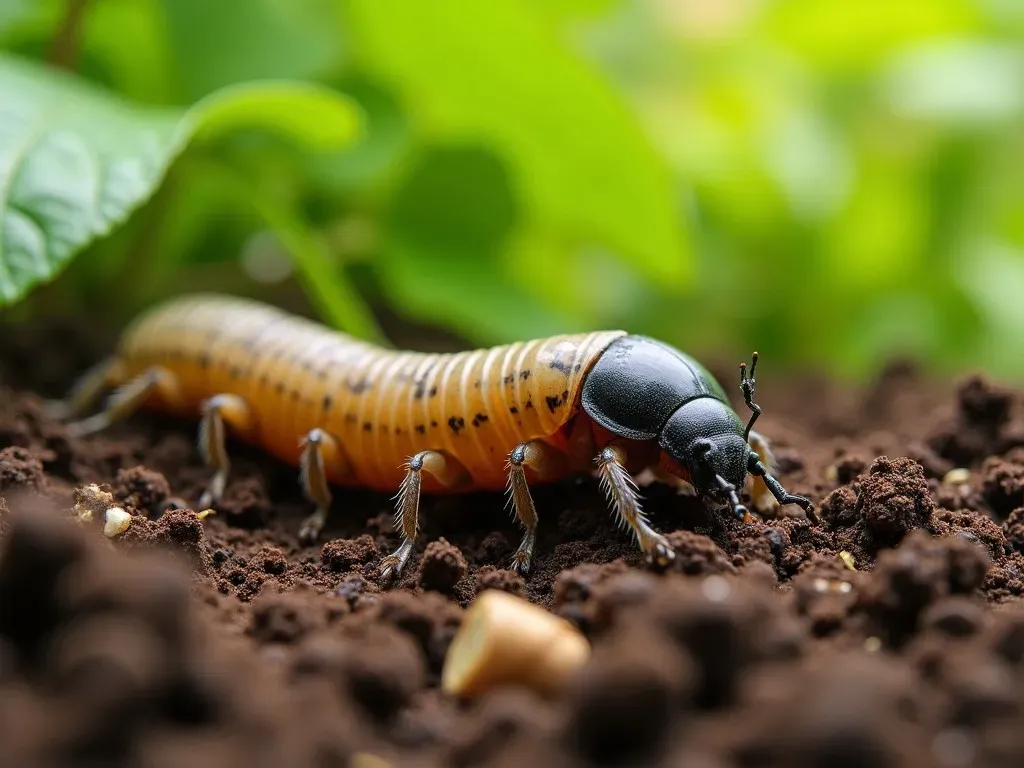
point(320, 449)
point(87, 390)
point(624, 497)
point(124, 401)
point(219, 410)
point(547, 462)
point(449, 472)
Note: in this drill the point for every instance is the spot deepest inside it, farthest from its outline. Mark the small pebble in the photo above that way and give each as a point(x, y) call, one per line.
point(116, 522)
point(715, 588)
point(958, 476)
point(848, 560)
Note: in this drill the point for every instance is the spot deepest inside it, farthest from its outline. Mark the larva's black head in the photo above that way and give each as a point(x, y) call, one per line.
point(642, 389)
point(706, 437)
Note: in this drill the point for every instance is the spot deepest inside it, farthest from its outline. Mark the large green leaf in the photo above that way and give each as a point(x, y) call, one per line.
point(216, 44)
point(75, 161)
point(495, 73)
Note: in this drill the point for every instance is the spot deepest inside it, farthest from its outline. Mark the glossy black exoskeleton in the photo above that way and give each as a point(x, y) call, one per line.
point(643, 389)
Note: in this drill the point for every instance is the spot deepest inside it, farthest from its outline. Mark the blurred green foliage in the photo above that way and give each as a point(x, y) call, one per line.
point(829, 183)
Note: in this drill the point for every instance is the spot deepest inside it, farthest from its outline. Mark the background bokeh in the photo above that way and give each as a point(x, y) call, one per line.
point(831, 183)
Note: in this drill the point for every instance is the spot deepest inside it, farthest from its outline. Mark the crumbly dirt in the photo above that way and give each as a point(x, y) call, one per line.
point(889, 634)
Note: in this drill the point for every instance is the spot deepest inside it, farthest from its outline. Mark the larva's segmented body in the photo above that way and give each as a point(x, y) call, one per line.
point(351, 413)
point(382, 406)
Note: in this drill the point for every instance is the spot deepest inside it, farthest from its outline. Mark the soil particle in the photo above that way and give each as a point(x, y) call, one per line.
point(246, 504)
point(1013, 528)
point(500, 722)
point(983, 410)
point(697, 554)
point(378, 667)
point(955, 616)
point(894, 498)
point(501, 579)
point(910, 578)
point(975, 527)
point(627, 698)
point(141, 488)
point(429, 619)
point(1003, 483)
point(179, 530)
point(849, 467)
point(442, 567)
point(346, 554)
point(281, 617)
point(19, 467)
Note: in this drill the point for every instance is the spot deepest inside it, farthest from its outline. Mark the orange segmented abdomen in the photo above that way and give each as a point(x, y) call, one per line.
point(382, 406)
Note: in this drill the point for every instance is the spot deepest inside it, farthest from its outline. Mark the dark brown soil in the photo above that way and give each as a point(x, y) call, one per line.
point(890, 634)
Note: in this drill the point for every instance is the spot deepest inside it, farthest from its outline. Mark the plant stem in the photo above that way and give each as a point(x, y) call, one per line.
point(64, 48)
point(326, 283)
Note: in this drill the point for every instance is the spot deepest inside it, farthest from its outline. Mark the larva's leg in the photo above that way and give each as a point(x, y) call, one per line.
point(449, 472)
point(546, 461)
point(764, 501)
point(319, 450)
point(218, 411)
point(624, 497)
point(127, 399)
point(86, 390)
point(657, 473)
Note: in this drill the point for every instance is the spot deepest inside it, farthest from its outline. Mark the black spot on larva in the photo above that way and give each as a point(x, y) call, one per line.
point(398, 430)
point(433, 391)
point(479, 419)
point(529, 404)
point(327, 402)
point(367, 426)
point(279, 388)
point(577, 367)
point(510, 378)
point(433, 423)
point(513, 410)
point(456, 423)
point(558, 365)
point(204, 360)
point(421, 389)
point(421, 428)
point(524, 375)
point(476, 384)
point(358, 387)
point(557, 401)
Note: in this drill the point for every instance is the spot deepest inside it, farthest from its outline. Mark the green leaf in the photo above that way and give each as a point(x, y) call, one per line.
point(496, 73)
point(310, 115)
point(75, 161)
point(229, 41)
point(446, 230)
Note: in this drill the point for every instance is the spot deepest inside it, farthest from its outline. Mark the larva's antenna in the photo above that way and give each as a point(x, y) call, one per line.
point(747, 385)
